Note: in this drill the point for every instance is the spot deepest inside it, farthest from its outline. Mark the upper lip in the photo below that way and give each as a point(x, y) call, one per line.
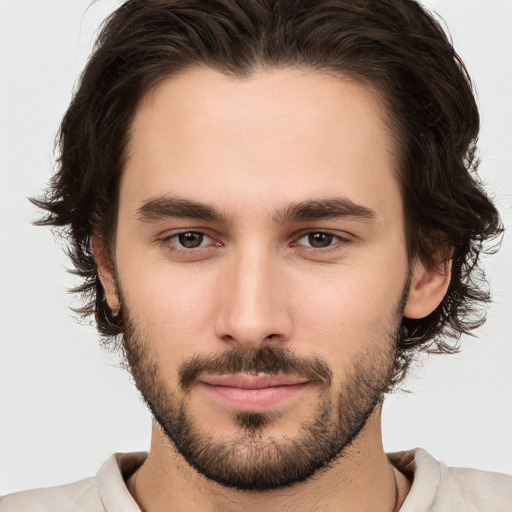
point(246, 381)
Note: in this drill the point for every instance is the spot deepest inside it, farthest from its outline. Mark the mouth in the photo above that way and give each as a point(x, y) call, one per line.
point(254, 393)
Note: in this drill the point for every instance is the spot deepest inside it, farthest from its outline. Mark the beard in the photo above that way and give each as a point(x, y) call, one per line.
point(253, 459)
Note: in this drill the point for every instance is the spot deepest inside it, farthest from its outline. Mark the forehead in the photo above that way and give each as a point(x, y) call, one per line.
point(281, 135)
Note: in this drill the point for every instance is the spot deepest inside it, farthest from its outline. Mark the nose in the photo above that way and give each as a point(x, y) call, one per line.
point(253, 310)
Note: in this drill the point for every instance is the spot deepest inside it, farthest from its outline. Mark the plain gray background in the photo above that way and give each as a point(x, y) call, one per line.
point(65, 406)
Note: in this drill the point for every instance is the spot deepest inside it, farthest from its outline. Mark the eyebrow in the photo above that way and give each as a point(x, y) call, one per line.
point(333, 208)
point(160, 208)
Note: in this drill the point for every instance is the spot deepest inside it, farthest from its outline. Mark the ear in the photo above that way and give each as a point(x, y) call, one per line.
point(105, 272)
point(428, 288)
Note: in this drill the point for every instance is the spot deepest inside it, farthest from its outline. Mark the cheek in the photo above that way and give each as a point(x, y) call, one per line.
point(347, 313)
point(172, 306)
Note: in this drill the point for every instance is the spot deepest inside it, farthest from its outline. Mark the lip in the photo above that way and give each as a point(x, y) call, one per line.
point(245, 381)
point(255, 393)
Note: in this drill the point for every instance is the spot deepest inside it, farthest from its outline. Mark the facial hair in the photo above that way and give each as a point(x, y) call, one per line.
point(253, 459)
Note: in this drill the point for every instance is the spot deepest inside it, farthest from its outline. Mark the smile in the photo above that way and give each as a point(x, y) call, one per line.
point(253, 393)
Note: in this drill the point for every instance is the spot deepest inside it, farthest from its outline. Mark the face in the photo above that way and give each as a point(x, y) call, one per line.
point(262, 269)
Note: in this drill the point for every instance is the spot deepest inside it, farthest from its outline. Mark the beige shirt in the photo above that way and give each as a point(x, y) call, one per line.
point(435, 488)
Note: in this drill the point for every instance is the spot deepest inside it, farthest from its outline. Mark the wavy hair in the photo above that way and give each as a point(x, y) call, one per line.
point(394, 46)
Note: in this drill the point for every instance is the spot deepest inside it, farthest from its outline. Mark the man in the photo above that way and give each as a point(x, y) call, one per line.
point(274, 207)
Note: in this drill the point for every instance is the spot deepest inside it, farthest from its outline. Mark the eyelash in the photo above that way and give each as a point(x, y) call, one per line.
point(167, 241)
point(339, 242)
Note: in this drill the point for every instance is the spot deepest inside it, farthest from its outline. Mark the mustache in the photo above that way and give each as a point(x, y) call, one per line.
point(269, 360)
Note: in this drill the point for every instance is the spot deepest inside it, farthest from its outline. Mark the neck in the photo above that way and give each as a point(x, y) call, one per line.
point(361, 480)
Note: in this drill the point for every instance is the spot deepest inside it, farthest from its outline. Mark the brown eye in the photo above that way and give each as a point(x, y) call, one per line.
point(320, 240)
point(190, 239)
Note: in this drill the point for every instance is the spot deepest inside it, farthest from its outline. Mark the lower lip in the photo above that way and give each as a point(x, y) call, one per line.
point(254, 400)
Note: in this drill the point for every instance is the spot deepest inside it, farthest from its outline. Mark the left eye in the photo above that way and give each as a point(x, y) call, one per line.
point(190, 239)
point(319, 240)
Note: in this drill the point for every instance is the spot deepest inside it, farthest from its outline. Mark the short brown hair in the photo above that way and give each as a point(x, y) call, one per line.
point(393, 45)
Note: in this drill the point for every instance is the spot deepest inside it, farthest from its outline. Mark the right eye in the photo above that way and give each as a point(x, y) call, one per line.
point(189, 240)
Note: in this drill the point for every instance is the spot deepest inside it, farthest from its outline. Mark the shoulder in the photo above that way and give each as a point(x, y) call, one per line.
point(105, 492)
point(82, 495)
point(478, 490)
point(439, 488)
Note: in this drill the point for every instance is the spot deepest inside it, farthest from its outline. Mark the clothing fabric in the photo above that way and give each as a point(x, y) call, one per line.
point(435, 488)
point(439, 488)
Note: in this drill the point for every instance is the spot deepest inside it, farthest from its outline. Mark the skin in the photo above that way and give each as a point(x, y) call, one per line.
point(251, 148)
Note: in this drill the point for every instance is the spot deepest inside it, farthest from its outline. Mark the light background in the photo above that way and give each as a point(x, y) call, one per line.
point(65, 406)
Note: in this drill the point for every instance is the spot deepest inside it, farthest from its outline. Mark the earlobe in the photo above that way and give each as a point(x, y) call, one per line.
point(427, 289)
point(105, 272)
